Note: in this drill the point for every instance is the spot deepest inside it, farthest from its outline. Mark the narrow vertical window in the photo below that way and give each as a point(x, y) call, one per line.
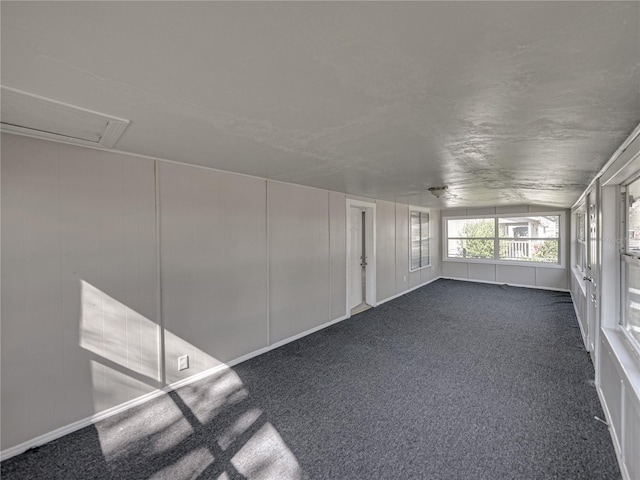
point(581, 241)
point(630, 265)
point(419, 239)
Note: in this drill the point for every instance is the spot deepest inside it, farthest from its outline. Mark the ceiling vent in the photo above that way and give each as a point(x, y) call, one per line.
point(27, 114)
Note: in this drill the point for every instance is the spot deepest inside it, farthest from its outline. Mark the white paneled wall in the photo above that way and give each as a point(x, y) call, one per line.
point(214, 266)
point(516, 275)
point(616, 360)
point(298, 260)
point(402, 248)
point(631, 435)
point(95, 245)
point(611, 384)
point(386, 250)
point(392, 256)
point(338, 254)
point(620, 399)
point(580, 303)
point(552, 277)
point(480, 271)
point(79, 317)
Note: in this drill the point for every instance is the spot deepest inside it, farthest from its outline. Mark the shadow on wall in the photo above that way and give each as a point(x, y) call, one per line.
point(209, 429)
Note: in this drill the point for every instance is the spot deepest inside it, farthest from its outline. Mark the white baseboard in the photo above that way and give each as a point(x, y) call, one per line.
point(398, 295)
point(553, 289)
point(307, 332)
point(77, 425)
point(85, 422)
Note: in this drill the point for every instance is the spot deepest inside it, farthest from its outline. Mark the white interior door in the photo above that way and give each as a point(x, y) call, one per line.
point(592, 271)
point(355, 260)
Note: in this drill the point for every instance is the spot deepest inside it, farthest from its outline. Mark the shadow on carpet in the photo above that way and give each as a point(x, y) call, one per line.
point(455, 380)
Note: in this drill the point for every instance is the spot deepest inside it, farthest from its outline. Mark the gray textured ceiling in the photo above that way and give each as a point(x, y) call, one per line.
point(506, 102)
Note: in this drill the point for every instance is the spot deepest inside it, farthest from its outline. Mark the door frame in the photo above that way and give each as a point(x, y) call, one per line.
point(370, 241)
point(593, 286)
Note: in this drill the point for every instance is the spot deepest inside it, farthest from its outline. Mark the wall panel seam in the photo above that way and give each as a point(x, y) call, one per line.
point(329, 249)
point(268, 261)
point(162, 347)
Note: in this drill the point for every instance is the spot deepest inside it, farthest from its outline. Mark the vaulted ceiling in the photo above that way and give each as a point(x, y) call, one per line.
point(506, 102)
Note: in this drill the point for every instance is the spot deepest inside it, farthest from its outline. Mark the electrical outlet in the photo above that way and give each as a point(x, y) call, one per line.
point(183, 362)
point(405, 278)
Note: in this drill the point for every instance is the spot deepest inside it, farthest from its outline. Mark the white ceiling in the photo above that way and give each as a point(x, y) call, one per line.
point(506, 102)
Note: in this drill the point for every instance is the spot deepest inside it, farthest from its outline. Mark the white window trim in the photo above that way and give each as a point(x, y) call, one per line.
point(423, 210)
point(575, 270)
point(623, 324)
point(371, 294)
point(581, 211)
point(626, 256)
point(494, 261)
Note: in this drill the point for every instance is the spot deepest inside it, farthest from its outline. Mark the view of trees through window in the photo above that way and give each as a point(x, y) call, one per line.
point(518, 238)
point(481, 233)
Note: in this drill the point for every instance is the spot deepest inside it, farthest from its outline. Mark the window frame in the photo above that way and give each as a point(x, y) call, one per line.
point(420, 210)
point(561, 239)
point(581, 245)
point(625, 258)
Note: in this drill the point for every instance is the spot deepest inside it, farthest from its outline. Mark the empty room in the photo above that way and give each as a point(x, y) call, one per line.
point(320, 240)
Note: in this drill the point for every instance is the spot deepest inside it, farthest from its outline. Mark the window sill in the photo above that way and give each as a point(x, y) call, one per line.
point(504, 262)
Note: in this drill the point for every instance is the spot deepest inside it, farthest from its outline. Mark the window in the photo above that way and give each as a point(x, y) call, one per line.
point(419, 239)
point(529, 239)
point(581, 240)
point(471, 238)
point(630, 263)
point(519, 238)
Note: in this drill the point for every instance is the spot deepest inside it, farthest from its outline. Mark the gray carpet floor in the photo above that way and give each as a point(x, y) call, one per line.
point(452, 381)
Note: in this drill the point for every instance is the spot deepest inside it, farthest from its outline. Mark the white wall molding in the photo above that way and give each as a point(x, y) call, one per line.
point(610, 164)
point(178, 162)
